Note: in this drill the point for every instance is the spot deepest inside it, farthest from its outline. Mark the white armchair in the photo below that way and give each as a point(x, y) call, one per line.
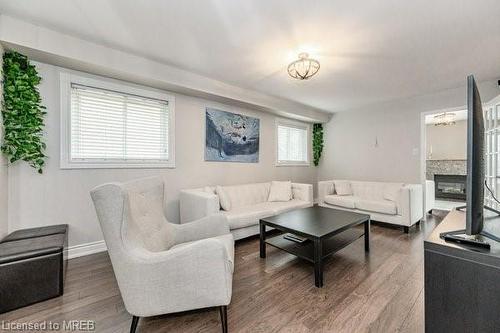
point(163, 267)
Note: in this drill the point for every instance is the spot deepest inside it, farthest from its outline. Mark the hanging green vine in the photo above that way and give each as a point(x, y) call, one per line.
point(22, 111)
point(317, 142)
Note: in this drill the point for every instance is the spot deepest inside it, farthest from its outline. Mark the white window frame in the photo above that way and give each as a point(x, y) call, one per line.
point(68, 78)
point(299, 125)
point(492, 150)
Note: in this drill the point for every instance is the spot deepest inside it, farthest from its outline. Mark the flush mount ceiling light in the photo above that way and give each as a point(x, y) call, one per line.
point(444, 119)
point(304, 68)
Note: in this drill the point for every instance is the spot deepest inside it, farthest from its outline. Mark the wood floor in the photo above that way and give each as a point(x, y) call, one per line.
point(377, 292)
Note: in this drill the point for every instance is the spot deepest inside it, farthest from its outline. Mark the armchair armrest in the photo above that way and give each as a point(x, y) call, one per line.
point(324, 188)
point(303, 192)
point(196, 275)
point(195, 204)
point(410, 203)
point(209, 226)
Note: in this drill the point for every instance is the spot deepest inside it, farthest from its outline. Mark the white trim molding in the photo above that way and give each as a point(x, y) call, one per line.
point(86, 249)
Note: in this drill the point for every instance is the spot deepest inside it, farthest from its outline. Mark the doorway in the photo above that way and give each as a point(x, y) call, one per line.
point(444, 158)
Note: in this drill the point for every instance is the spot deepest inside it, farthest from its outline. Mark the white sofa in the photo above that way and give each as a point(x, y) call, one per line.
point(394, 203)
point(248, 205)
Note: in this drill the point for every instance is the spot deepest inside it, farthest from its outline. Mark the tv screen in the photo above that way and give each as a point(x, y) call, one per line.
point(475, 160)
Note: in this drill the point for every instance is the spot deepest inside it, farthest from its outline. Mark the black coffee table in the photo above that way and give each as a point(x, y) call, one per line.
point(327, 231)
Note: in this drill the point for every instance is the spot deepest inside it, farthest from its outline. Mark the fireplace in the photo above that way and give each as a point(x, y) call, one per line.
point(450, 186)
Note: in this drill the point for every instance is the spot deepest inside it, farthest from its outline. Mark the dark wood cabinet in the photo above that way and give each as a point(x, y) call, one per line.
point(462, 284)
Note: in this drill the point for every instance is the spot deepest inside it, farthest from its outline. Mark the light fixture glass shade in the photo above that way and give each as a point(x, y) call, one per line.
point(444, 119)
point(303, 68)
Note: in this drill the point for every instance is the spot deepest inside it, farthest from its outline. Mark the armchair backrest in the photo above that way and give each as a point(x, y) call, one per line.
point(131, 216)
point(146, 224)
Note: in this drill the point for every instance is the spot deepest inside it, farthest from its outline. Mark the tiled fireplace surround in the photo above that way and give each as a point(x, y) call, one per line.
point(445, 167)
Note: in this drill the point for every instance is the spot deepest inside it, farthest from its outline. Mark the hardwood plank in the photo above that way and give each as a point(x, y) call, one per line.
point(392, 318)
point(415, 321)
point(377, 292)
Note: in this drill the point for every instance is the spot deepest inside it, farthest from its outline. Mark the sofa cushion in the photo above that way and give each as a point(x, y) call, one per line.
point(282, 207)
point(242, 217)
point(280, 191)
point(377, 206)
point(224, 201)
point(343, 188)
point(247, 194)
point(391, 191)
point(347, 201)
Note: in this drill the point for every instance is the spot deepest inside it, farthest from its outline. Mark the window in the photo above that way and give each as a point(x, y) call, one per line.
point(292, 143)
point(492, 129)
point(108, 125)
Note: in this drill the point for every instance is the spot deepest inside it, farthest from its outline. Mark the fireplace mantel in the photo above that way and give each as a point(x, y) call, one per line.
point(445, 167)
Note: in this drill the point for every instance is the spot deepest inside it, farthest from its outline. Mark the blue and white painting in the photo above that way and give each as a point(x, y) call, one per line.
point(231, 137)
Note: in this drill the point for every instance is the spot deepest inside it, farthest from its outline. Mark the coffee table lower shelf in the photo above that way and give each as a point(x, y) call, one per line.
point(306, 250)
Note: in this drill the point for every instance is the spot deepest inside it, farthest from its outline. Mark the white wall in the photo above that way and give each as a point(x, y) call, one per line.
point(350, 151)
point(3, 170)
point(62, 196)
point(447, 142)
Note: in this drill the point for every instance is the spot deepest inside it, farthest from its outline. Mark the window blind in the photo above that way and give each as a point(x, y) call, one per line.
point(292, 144)
point(113, 126)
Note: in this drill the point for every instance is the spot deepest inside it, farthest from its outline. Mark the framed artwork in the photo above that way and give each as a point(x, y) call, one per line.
point(231, 137)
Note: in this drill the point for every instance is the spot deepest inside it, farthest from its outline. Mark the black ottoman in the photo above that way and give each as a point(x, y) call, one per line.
point(32, 266)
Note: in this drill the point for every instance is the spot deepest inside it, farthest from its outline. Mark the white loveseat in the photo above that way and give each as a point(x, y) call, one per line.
point(248, 205)
point(394, 203)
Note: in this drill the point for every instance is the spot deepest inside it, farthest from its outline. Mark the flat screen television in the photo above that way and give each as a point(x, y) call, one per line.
point(475, 160)
point(474, 234)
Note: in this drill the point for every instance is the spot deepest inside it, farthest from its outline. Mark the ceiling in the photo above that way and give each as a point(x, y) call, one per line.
point(370, 51)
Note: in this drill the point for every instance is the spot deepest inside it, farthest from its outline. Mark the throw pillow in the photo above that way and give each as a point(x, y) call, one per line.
point(343, 188)
point(280, 191)
point(224, 201)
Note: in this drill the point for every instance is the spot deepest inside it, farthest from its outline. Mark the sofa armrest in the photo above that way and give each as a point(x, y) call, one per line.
point(324, 188)
point(303, 192)
point(430, 199)
point(410, 203)
point(195, 204)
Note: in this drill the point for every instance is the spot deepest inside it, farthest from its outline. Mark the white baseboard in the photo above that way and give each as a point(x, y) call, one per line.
point(86, 249)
